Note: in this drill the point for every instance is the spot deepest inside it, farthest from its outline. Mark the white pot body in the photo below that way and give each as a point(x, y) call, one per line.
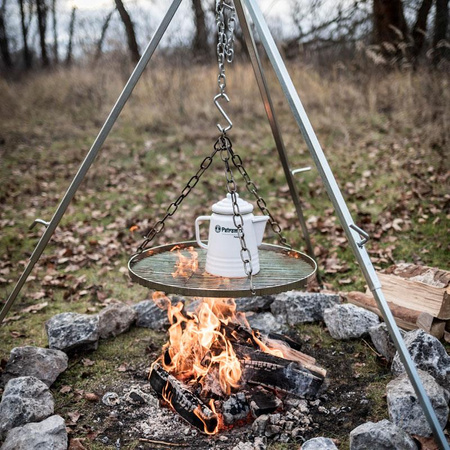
point(224, 246)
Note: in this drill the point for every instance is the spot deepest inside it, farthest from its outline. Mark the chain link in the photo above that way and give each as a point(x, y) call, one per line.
point(262, 205)
point(223, 145)
point(173, 207)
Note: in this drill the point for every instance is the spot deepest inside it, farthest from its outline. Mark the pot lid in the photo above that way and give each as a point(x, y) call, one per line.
point(225, 206)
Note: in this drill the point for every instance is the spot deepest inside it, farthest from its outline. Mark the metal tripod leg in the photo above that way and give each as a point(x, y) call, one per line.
point(89, 159)
point(343, 213)
point(268, 106)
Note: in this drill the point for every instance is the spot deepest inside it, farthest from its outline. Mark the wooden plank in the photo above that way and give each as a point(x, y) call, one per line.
point(431, 325)
point(416, 295)
point(404, 317)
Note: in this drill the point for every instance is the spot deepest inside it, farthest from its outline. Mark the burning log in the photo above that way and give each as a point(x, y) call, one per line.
point(187, 405)
point(277, 373)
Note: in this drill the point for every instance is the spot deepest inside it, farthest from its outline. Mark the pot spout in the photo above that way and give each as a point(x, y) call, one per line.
point(259, 225)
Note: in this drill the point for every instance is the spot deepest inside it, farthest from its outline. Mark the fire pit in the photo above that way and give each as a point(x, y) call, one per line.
point(216, 372)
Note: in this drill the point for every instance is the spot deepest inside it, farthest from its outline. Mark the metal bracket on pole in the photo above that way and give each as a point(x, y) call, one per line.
point(42, 222)
point(343, 213)
point(301, 170)
point(90, 157)
point(270, 112)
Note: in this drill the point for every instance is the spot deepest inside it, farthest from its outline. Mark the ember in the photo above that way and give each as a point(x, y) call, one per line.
point(212, 352)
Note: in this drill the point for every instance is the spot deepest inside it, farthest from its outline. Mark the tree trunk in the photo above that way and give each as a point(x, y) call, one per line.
point(440, 32)
point(41, 8)
point(71, 31)
point(24, 27)
point(4, 41)
point(55, 33)
point(200, 44)
point(102, 35)
point(129, 28)
point(420, 27)
point(389, 22)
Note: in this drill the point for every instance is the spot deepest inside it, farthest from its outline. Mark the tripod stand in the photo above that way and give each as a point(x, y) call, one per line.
point(356, 236)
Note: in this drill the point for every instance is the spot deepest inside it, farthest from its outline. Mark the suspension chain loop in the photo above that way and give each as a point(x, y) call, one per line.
point(226, 20)
point(226, 153)
point(262, 205)
point(173, 207)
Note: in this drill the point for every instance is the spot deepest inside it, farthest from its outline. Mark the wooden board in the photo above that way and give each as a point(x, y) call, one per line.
point(281, 270)
point(416, 295)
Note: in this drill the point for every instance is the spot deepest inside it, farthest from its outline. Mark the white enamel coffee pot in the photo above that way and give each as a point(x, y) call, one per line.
point(224, 247)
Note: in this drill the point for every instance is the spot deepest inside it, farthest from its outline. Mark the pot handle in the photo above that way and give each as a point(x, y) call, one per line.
point(197, 230)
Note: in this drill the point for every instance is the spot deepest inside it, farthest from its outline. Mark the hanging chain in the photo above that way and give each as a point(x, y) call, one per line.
point(172, 208)
point(251, 187)
point(226, 19)
point(223, 145)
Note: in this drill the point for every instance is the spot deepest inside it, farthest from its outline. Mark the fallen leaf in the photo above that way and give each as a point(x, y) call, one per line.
point(65, 389)
point(87, 362)
point(12, 319)
point(34, 308)
point(122, 368)
point(76, 444)
point(74, 416)
point(91, 397)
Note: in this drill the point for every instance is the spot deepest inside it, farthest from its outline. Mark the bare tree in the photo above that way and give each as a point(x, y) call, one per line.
point(389, 22)
point(25, 27)
point(129, 29)
point(419, 30)
point(440, 44)
point(200, 43)
point(71, 32)
point(103, 35)
point(41, 8)
point(55, 32)
point(4, 40)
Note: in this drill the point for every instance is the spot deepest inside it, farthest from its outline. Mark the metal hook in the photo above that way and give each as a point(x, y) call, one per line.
point(362, 233)
point(224, 114)
point(42, 222)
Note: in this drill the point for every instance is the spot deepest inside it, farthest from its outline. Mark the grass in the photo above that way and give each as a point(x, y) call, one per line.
point(384, 135)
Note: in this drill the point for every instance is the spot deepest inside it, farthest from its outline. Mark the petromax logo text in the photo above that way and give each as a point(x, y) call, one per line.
point(220, 229)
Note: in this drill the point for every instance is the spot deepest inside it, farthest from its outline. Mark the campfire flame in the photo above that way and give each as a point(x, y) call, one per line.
point(185, 266)
point(199, 350)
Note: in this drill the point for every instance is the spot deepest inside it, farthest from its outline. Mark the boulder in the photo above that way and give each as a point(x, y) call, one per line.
point(43, 363)
point(115, 319)
point(428, 354)
point(49, 434)
point(382, 341)
point(404, 408)
point(348, 321)
point(25, 399)
point(265, 322)
point(151, 316)
point(67, 331)
point(382, 435)
point(319, 443)
point(298, 307)
point(255, 304)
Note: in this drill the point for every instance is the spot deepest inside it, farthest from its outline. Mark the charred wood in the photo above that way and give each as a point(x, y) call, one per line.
point(187, 405)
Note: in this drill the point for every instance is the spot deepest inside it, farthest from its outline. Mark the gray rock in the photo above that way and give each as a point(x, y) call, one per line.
point(43, 363)
point(49, 434)
point(319, 443)
point(255, 304)
point(404, 408)
point(67, 331)
point(348, 321)
point(25, 399)
point(298, 307)
point(260, 424)
point(150, 316)
point(111, 399)
point(382, 435)
point(115, 319)
point(382, 340)
point(265, 322)
point(428, 354)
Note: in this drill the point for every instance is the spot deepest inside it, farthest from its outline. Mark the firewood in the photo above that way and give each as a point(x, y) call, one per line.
point(421, 288)
point(404, 317)
point(272, 372)
point(187, 405)
point(431, 325)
